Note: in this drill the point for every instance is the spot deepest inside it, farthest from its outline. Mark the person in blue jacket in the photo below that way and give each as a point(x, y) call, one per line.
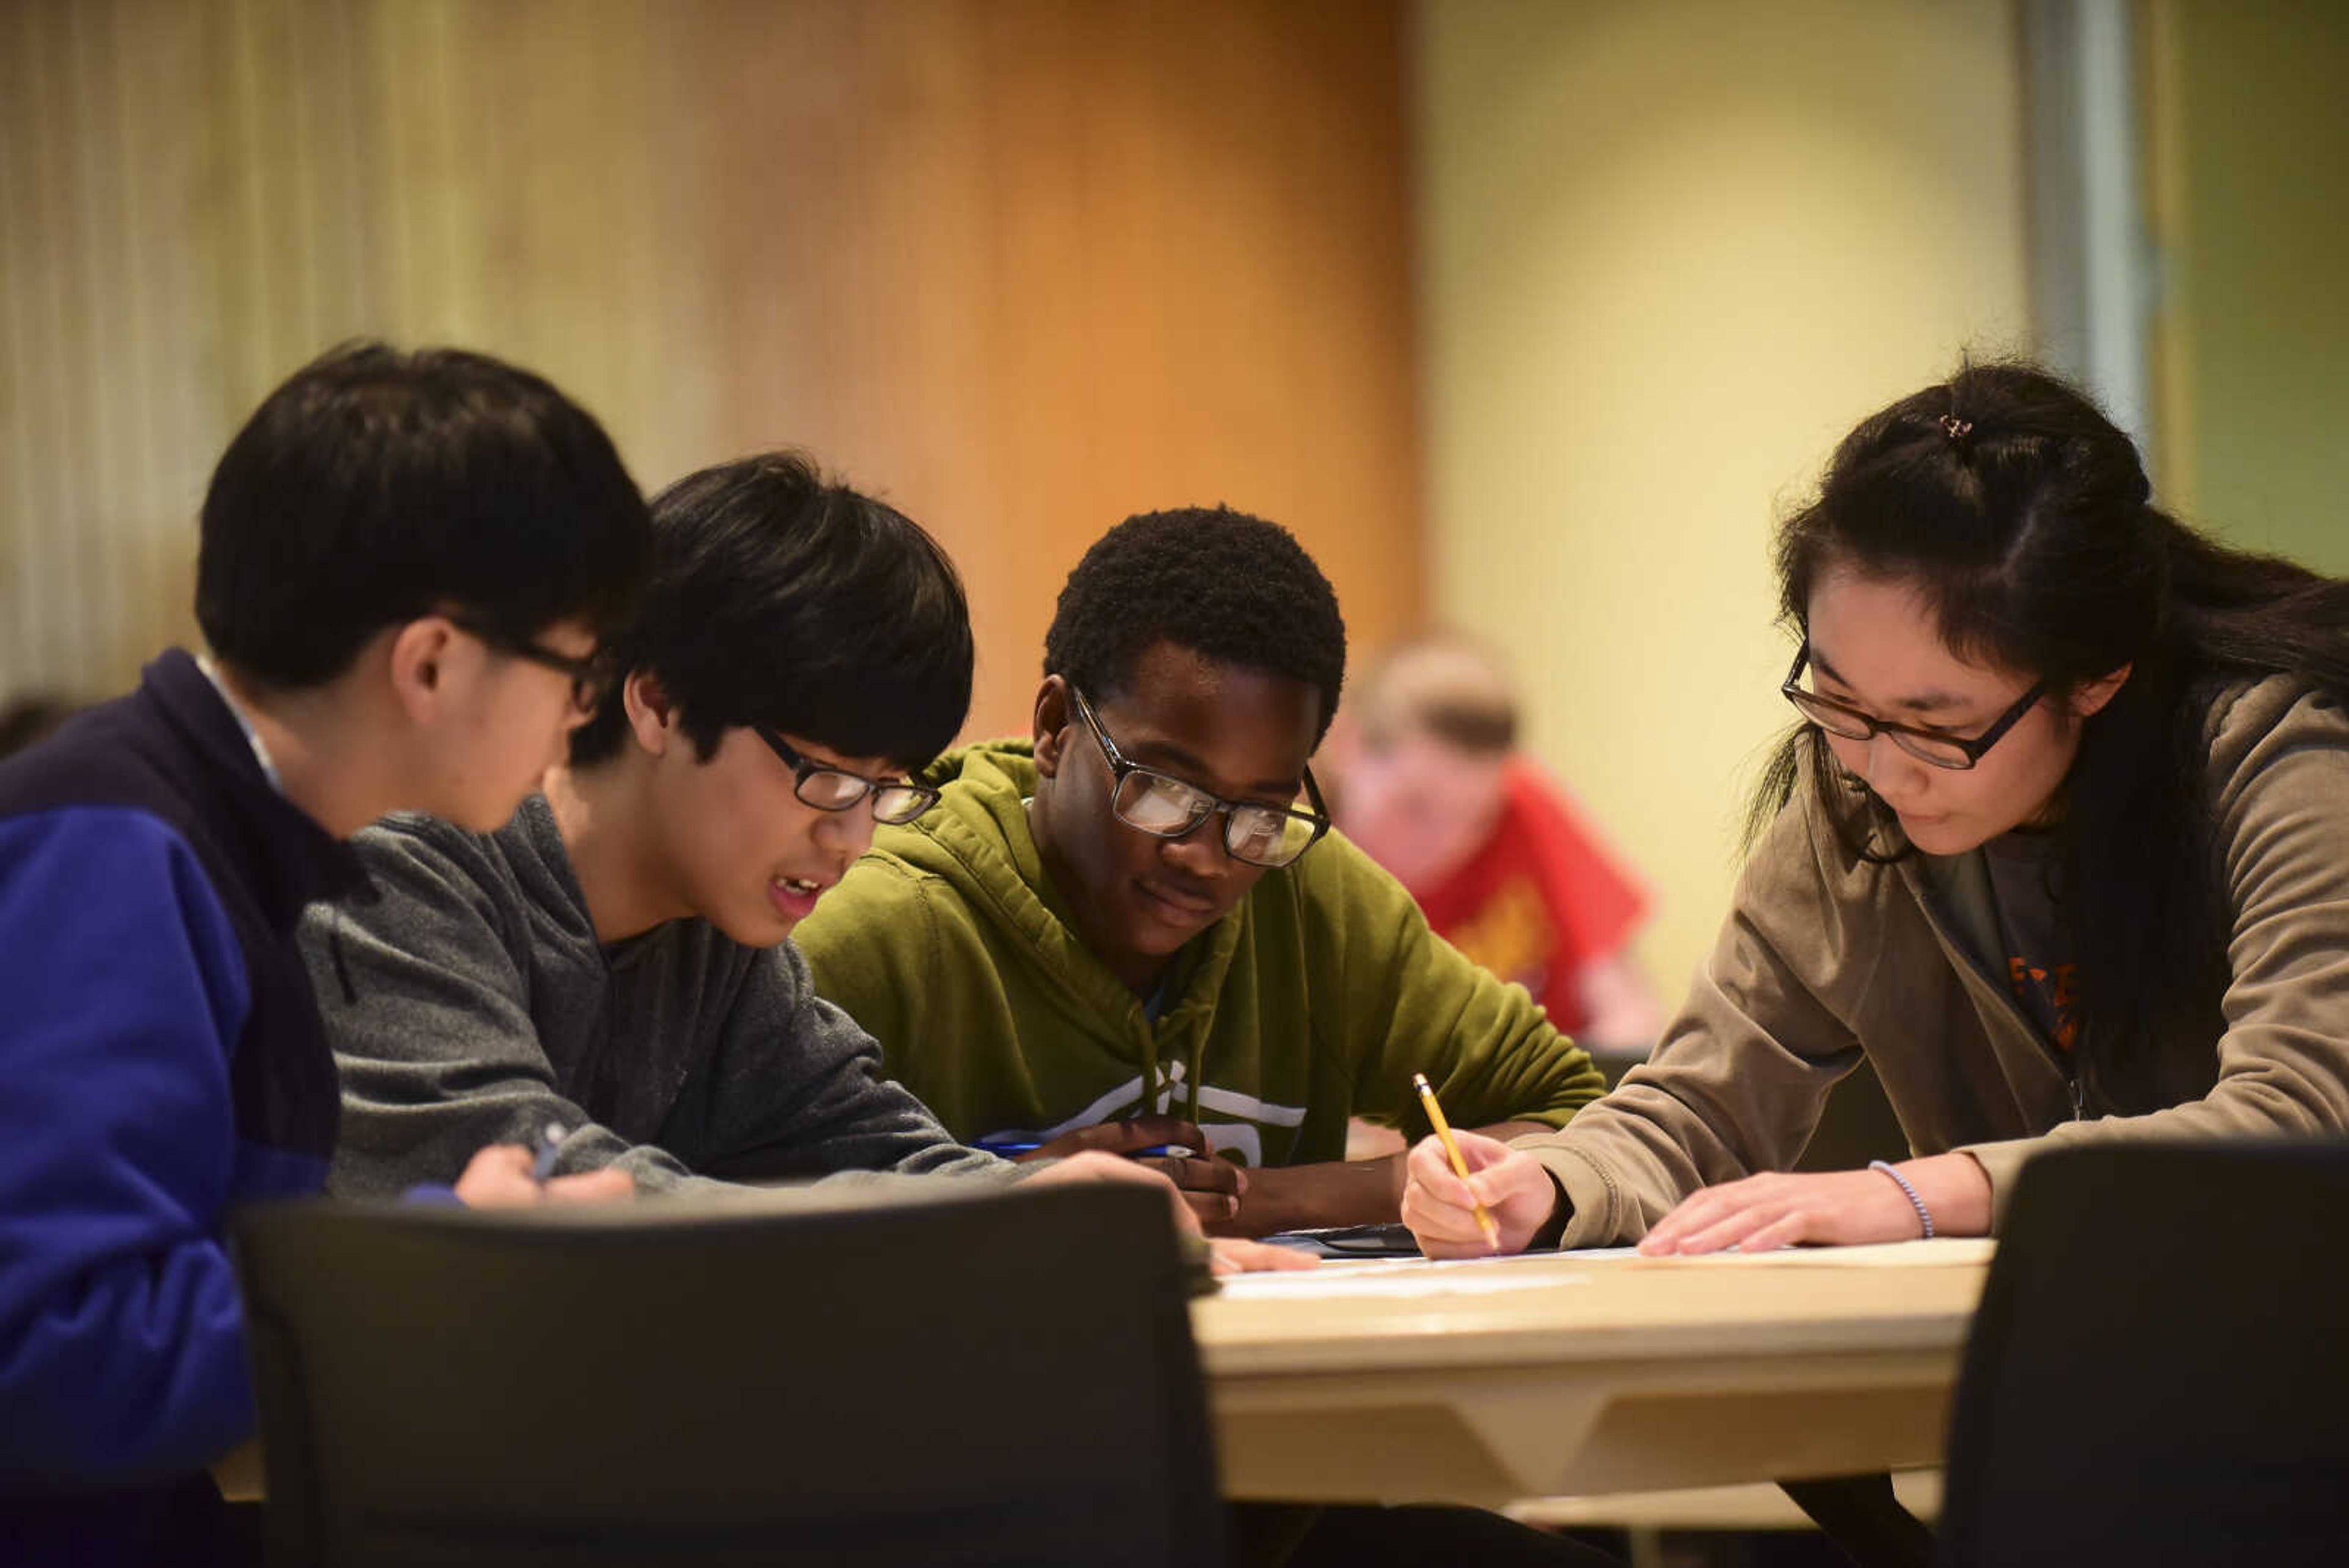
point(405, 567)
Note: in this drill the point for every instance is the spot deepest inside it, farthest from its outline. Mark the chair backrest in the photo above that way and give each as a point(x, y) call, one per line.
point(1007, 1378)
point(2158, 1372)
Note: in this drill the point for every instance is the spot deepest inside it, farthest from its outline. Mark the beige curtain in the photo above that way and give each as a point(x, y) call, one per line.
point(1026, 266)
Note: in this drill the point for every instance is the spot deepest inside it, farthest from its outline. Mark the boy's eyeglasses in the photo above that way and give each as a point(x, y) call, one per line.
point(589, 672)
point(827, 788)
point(1846, 722)
point(1168, 807)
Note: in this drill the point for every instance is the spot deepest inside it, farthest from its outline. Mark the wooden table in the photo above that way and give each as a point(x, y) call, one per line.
point(1569, 1375)
point(1585, 1376)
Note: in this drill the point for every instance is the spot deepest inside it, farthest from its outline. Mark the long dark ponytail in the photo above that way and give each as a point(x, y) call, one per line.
point(2024, 516)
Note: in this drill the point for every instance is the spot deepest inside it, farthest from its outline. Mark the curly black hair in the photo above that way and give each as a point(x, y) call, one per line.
point(1220, 583)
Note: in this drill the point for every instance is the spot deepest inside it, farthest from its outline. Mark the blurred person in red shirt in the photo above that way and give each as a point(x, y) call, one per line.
point(1495, 852)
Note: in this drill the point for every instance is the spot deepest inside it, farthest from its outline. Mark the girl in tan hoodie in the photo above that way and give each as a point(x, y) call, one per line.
point(2061, 845)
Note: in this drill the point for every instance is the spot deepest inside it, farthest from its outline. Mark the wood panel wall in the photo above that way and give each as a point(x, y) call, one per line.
point(1023, 265)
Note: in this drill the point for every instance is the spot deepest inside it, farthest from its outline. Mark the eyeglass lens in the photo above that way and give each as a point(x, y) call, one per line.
point(1169, 807)
point(829, 789)
point(1850, 726)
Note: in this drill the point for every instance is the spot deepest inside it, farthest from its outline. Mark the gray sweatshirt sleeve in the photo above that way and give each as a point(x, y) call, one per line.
point(424, 993)
point(796, 1091)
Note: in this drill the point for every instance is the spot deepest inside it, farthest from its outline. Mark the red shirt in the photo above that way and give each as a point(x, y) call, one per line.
point(1539, 900)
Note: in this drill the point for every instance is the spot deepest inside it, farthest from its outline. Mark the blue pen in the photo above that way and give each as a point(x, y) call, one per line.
point(549, 1141)
point(1012, 1149)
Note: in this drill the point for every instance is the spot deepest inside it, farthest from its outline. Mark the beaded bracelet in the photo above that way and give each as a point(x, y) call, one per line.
point(1924, 1215)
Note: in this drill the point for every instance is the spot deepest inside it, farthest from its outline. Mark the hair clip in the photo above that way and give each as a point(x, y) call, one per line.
point(1955, 428)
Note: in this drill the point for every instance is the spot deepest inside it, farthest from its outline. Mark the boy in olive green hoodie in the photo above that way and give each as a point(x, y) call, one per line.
point(1135, 928)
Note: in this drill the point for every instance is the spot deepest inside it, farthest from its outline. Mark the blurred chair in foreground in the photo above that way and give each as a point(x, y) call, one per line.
point(2159, 1373)
point(985, 1381)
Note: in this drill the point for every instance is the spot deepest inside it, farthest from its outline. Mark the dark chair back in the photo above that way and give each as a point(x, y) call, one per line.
point(2159, 1370)
point(997, 1380)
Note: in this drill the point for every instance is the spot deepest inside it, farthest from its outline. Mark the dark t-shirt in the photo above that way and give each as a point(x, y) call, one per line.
point(2002, 901)
point(2037, 963)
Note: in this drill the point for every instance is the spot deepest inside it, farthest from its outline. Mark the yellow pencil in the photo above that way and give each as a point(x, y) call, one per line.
point(1451, 1147)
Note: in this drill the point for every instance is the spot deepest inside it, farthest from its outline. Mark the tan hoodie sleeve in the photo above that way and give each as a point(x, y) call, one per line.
point(1737, 1083)
point(2279, 792)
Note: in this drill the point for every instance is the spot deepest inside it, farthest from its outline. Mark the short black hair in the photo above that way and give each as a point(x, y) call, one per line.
point(376, 486)
point(1232, 588)
point(778, 598)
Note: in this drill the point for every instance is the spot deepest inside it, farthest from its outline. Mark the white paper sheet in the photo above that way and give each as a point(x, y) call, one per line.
point(1945, 1251)
point(1406, 1277)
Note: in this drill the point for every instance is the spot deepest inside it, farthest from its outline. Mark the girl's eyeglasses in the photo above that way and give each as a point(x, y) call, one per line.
point(1846, 722)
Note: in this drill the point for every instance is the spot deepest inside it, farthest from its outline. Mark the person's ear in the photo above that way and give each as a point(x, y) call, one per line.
point(652, 713)
point(1054, 714)
point(419, 663)
point(2090, 697)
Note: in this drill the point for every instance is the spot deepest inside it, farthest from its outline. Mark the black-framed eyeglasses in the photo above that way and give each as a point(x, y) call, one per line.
point(828, 788)
point(589, 672)
point(1167, 807)
point(1846, 722)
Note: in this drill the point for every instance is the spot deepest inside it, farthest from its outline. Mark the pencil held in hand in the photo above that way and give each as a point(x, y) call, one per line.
point(1451, 1149)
